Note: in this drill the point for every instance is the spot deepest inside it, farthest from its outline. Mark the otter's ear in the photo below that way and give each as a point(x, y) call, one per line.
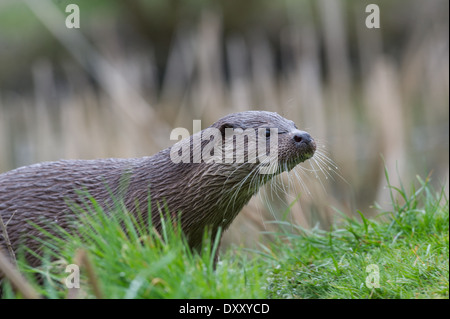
point(225, 126)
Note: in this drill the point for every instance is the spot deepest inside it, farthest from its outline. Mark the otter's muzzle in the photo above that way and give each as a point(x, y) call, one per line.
point(304, 142)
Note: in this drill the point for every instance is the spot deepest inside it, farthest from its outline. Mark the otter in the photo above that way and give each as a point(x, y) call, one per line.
point(202, 194)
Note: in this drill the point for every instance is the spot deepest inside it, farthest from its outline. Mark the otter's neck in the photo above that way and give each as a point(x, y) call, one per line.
point(206, 196)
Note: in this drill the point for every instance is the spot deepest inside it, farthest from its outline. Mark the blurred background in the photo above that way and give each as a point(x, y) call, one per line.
point(135, 70)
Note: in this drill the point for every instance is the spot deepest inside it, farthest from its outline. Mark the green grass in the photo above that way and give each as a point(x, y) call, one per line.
point(409, 245)
point(135, 261)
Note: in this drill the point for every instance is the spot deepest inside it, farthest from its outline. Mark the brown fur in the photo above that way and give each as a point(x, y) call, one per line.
point(207, 195)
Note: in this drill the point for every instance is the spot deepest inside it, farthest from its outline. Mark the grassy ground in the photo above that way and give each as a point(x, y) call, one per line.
point(403, 253)
point(407, 248)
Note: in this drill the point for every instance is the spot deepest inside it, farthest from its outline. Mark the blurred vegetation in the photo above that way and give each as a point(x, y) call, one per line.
point(137, 69)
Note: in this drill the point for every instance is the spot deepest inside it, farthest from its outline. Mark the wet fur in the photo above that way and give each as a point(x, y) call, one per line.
point(206, 195)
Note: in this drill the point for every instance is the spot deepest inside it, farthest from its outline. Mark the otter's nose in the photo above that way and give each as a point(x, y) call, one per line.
point(301, 137)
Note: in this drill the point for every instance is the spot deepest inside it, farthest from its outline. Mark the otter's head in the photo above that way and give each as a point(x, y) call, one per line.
point(228, 162)
point(293, 146)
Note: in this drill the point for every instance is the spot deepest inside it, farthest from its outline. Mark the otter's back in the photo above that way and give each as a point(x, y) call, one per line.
point(38, 194)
